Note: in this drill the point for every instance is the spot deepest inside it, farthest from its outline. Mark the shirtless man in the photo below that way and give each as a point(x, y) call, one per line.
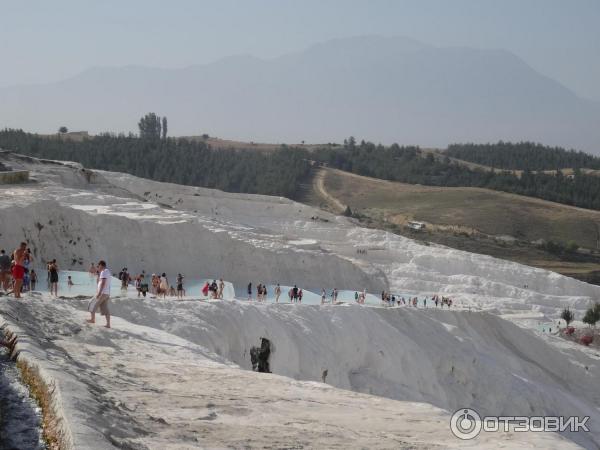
point(18, 270)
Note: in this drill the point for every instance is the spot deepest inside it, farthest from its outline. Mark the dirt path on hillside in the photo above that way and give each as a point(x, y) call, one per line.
point(319, 188)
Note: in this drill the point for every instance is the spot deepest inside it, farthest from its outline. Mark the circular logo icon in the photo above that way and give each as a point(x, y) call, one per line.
point(465, 424)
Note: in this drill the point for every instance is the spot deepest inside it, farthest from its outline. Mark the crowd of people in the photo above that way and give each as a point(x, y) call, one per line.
point(18, 276)
point(392, 300)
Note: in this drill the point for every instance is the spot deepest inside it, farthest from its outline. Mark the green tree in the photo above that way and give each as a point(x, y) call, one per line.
point(592, 315)
point(164, 128)
point(567, 315)
point(63, 129)
point(572, 247)
point(150, 126)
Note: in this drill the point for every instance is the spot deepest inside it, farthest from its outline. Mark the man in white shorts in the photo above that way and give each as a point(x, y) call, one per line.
point(102, 295)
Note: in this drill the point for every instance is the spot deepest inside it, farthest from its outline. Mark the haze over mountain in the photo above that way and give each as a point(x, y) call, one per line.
point(380, 89)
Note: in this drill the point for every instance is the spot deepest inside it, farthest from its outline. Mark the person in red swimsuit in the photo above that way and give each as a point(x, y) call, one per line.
point(18, 270)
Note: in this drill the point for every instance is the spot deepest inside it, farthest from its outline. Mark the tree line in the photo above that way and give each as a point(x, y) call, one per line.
point(412, 165)
point(281, 172)
point(523, 155)
point(171, 160)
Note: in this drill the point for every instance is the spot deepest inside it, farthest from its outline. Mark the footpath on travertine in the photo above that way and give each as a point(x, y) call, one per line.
point(138, 386)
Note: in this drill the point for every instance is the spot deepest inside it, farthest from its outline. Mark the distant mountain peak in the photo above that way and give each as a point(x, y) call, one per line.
point(384, 89)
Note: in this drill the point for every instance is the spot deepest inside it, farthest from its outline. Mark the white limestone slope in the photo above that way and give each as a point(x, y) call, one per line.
point(78, 216)
point(139, 386)
point(447, 359)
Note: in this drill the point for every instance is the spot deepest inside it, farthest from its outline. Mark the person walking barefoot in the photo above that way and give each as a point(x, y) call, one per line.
point(53, 269)
point(221, 288)
point(102, 295)
point(277, 293)
point(18, 269)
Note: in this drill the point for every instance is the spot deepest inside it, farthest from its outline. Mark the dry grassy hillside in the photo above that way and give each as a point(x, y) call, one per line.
point(479, 220)
point(219, 143)
point(439, 153)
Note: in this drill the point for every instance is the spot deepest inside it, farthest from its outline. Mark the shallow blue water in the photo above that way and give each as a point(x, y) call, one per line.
point(20, 416)
point(84, 284)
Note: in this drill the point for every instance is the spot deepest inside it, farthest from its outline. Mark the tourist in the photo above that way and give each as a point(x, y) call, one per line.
point(425, 302)
point(205, 289)
point(143, 285)
point(334, 296)
point(69, 282)
point(221, 288)
point(27, 262)
point(93, 271)
point(33, 279)
point(180, 286)
point(53, 270)
point(101, 300)
point(295, 293)
point(25, 287)
point(18, 270)
point(137, 285)
point(259, 292)
point(250, 291)
point(264, 292)
point(300, 294)
point(214, 288)
point(164, 285)
point(323, 295)
point(4, 270)
point(155, 284)
point(124, 277)
point(277, 293)
point(356, 296)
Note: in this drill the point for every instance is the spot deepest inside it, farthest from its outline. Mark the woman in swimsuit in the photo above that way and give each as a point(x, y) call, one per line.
point(53, 271)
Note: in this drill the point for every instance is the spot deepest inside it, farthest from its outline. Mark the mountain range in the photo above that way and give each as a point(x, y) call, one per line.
point(383, 89)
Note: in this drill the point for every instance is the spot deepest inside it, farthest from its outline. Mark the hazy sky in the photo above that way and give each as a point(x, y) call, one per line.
point(50, 40)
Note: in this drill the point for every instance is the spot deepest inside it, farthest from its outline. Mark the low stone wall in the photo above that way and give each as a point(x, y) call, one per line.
point(13, 177)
